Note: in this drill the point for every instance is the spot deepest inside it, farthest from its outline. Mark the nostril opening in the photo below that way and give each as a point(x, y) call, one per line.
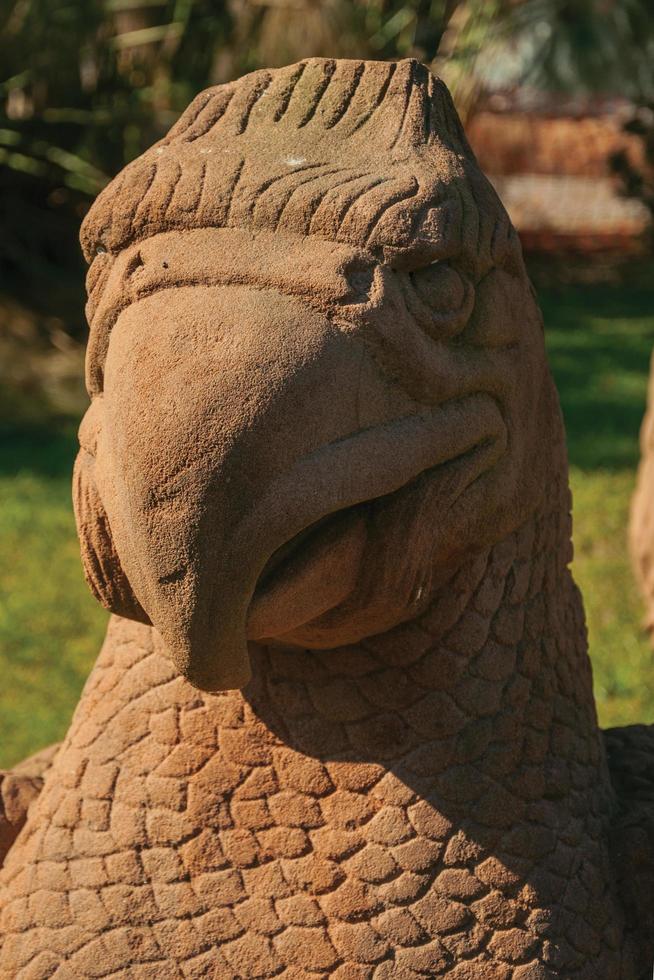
point(165, 265)
point(360, 276)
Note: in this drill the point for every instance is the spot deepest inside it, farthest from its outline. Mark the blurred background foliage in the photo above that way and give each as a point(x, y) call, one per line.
point(86, 85)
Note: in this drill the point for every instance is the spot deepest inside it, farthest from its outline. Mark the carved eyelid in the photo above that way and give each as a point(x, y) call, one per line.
point(441, 323)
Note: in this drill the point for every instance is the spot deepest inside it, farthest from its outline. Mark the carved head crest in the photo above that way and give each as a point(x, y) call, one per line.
point(316, 367)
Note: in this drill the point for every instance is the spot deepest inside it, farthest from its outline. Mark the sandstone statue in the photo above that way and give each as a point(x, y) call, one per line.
point(641, 524)
point(342, 724)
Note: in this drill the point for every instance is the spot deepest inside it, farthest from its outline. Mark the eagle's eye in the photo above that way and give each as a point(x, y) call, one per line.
point(440, 285)
point(441, 298)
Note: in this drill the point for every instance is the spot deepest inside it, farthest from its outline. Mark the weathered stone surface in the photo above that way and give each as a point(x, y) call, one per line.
point(342, 724)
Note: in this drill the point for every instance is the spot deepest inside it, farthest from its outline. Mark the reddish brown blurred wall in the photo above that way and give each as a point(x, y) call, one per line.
point(520, 143)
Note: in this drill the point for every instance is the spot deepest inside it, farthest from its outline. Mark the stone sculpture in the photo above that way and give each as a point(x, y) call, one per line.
point(641, 524)
point(325, 460)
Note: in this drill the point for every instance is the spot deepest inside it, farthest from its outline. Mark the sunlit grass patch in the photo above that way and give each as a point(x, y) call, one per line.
point(623, 662)
point(50, 627)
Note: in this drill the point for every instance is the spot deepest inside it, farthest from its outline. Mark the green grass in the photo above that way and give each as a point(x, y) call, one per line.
point(599, 341)
point(50, 627)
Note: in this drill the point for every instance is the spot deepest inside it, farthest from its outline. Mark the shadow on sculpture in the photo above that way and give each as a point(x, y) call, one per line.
point(324, 460)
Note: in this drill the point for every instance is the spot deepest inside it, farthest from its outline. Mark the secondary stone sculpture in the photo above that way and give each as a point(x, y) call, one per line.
point(641, 524)
point(325, 460)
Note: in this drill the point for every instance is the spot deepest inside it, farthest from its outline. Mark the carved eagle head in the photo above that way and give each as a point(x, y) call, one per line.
point(316, 367)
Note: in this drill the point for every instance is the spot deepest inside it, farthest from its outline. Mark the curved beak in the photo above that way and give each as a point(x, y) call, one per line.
point(233, 417)
point(223, 418)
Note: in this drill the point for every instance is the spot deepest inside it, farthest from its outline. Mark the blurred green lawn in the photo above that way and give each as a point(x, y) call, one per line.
point(599, 340)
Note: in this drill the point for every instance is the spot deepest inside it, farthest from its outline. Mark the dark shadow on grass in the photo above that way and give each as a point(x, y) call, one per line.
point(46, 449)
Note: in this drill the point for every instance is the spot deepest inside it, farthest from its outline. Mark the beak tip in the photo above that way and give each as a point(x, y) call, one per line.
point(213, 674)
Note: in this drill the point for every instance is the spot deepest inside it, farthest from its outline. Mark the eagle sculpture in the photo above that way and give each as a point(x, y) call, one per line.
point(342, 725)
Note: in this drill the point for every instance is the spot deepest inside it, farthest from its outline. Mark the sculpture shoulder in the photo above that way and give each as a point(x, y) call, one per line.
point(19, 787)
point(630, 756)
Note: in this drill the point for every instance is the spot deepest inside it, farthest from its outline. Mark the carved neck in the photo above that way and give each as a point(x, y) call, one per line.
point(489, 693)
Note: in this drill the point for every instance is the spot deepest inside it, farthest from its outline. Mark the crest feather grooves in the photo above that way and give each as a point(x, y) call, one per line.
point(347, 150)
